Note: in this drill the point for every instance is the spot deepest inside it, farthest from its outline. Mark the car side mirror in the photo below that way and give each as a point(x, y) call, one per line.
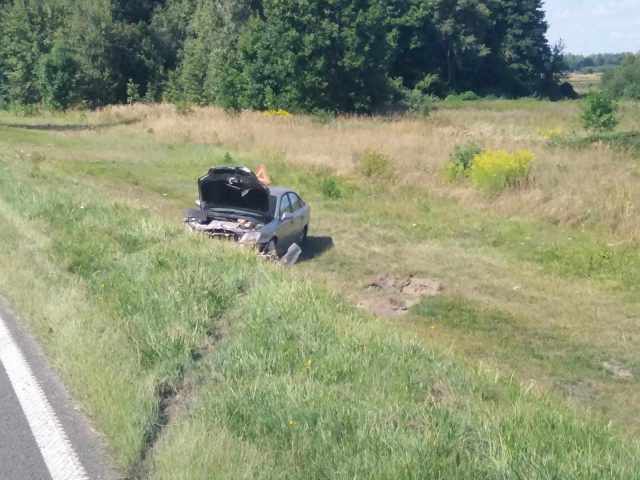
point(286, 216)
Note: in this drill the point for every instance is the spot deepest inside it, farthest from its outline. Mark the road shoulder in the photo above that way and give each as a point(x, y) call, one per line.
point(88, 446)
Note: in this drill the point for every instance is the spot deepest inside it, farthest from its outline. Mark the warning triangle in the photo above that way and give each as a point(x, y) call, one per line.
point(263, 175)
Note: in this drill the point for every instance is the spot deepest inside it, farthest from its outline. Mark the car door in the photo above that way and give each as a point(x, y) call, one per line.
point(299, 216)
point(286, 228)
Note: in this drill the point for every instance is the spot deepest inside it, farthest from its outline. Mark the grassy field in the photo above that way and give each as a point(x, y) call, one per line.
point(585, 82)
point(193, 357)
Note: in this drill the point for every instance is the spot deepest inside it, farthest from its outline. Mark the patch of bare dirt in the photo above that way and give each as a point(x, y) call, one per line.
point(396, 295)
point(617, 371)
point(172, 401)
point(582, 392)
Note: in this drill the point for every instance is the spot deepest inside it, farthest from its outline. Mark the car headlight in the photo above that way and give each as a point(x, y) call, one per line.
point(250, 238)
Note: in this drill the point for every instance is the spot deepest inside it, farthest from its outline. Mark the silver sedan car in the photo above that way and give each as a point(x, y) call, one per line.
point(235, 205)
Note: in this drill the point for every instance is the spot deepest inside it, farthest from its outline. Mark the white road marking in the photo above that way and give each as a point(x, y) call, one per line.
point(60, 458)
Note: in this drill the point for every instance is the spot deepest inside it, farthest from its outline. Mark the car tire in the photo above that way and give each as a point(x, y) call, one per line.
point(271, 248)
point(303, 235)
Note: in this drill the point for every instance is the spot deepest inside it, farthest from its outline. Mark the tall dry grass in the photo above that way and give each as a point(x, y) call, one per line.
point(595, 188)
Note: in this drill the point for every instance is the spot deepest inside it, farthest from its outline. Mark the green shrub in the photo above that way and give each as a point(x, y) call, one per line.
point(453, 172)
point(599, 112)
point(375, 165)
point(460, 161)
point(323, 117)
point(493, 171)
point(468, 96)
point(331, 188)
point(133, 92)
point(183, 107)
point(418, 104)
point(24, 110)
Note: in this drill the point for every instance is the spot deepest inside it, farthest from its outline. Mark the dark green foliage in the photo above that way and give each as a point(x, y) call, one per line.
point(341, 56)
point(205, 73)
point(27, 32)
point(599, 112)
point(58, 77)
point(523, 63)
point(169, 29)
point(313, 56)
point(624, 81)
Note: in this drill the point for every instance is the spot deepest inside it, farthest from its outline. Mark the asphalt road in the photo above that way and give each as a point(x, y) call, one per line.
point(20, 457)
point(43, 436)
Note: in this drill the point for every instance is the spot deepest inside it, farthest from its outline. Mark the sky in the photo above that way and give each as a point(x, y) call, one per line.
point(595, 26)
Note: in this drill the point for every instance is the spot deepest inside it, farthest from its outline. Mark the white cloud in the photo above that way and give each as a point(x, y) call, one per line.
point(595, 26)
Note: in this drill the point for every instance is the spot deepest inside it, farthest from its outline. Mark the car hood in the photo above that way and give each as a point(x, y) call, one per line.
point(234, 188)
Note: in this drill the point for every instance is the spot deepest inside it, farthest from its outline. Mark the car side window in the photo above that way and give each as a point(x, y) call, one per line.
point(296, 203)
point(285, 205)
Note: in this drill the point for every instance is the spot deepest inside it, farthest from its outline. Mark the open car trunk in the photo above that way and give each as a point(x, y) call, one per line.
point(233, 203)
point(234, 189)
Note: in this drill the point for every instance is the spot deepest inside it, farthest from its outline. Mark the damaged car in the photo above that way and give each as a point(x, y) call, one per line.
point(235, 205)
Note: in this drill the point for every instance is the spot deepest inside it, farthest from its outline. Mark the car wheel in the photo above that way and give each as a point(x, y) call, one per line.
point(270, 249)
point(303, 235)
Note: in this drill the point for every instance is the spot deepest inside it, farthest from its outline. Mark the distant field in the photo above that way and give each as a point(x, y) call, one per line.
point(585, 82)
point(193, 357)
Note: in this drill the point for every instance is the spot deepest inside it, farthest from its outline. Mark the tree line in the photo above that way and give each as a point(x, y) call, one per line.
point(303, 55)
point(595, 63)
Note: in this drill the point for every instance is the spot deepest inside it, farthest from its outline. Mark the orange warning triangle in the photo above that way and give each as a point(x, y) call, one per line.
point(263, 175)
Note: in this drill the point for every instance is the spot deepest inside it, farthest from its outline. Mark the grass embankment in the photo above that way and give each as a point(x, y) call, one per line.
point(302, 386)
point(283, 379)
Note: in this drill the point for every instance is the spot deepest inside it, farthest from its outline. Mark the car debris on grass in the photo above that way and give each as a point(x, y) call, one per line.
point(235, 205)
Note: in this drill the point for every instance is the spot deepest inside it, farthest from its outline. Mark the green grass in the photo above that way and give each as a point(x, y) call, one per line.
point(626, 142)
point(562, 251)
point(298, 383)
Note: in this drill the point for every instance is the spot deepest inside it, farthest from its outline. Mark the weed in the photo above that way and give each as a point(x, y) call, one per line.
point(460, 161)
point(494, 171)
point(599, 112)
point(277, 113)
point(183, 107)
point(375, 165)
point(330, 188)
point(419, 104)
point(323, 117)
point(551, 134)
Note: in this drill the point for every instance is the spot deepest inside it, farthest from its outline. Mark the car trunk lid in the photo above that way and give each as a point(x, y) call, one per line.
point(236, 189)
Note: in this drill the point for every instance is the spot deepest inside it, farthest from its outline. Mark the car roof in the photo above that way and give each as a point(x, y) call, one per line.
point(278, 191)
